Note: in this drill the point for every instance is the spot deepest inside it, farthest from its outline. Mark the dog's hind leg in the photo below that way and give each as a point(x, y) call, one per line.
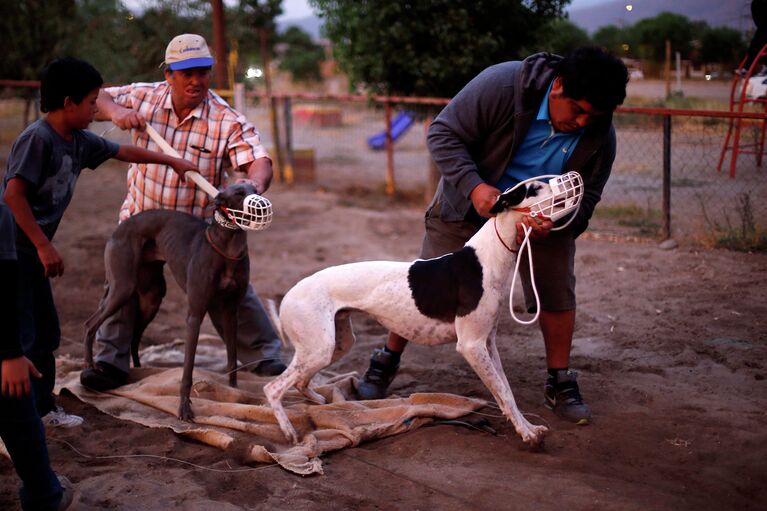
point(311, 331)
point(477, 352)
point(121, 261)
point(151, 290)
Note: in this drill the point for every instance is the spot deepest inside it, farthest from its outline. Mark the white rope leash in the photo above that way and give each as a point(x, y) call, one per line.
point(525, 243)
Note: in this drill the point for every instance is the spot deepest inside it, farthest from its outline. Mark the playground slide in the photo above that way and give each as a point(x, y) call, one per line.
point(399, 125)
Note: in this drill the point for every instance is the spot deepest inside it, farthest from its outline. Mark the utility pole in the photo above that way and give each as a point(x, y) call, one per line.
point(277, 159)
point(219, 39)
point(667, 69)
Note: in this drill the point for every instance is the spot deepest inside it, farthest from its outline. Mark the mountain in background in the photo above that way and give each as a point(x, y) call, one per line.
point(731, 13)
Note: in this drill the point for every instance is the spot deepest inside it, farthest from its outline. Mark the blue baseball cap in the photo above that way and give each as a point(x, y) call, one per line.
point(186, 51)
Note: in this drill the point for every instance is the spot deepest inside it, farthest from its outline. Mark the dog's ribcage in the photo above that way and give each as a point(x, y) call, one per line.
point(419, 300)
point(379, 288)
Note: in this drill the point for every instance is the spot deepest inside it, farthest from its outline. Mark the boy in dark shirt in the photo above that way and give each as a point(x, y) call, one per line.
point(20, 427)
point(43, 166)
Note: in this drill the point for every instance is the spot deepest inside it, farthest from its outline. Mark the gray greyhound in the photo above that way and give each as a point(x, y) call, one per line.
point(209, 262)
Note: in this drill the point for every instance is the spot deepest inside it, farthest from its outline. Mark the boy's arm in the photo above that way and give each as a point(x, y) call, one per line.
point(124, 118)
point(15, 368)
point(16, 198)
point(134, 154)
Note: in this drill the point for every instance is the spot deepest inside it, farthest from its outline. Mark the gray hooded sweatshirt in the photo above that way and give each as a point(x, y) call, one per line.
point(474, 138)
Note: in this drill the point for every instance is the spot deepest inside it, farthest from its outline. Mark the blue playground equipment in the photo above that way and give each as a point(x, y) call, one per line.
point(399, 126)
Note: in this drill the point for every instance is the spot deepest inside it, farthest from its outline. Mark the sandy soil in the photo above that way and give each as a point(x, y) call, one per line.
point(670, 345)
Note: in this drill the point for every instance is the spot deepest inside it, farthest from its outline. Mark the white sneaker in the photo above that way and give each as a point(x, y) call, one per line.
point(58, 418)
point(68, 494)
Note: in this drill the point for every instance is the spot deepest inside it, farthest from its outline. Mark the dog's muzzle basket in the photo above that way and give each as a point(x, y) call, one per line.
point(566, 194)
point(256, 214)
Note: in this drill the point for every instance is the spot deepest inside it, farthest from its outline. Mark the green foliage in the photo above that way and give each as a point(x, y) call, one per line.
point(645, 221)
point(562, 36)
point(613, 39)
point(258, 14)
point(245, 24)
point(301, 56)
point(723, 45)
point(33, 33)
point(429, 48)
point(743, 234)
point(650, 35)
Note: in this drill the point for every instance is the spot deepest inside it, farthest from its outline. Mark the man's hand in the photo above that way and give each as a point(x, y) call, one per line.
point(52, 261)
point(181, 166)
point(127, 118)
point(541, 227)
point(483, 197)
point(257, 186)
point(15, 377)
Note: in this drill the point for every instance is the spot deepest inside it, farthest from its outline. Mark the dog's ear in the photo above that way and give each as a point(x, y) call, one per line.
point(509, 198)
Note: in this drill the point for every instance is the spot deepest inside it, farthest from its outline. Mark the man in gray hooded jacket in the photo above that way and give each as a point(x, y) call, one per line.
point(543, 115)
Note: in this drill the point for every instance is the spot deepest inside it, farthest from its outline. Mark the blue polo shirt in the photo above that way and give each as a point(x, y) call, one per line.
point(544, 150)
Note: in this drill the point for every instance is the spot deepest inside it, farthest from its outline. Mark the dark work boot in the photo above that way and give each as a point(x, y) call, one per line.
point(564, 398)
point(103, 377)
point(383, 368)
point(270, 367)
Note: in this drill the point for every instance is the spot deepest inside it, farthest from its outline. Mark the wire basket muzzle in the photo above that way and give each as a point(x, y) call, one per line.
point(566, 195)
point(256, 214)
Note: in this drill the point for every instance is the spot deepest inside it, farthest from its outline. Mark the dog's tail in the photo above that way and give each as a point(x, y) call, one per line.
point(271, 311)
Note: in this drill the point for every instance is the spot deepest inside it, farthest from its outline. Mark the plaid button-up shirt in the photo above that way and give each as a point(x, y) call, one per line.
point(214, 136)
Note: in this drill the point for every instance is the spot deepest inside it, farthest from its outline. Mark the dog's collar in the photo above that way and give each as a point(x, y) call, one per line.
point(221, 252)
point(223, 220)
point(498, 234)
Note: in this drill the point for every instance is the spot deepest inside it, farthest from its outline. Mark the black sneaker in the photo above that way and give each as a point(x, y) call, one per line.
point(564, 398)
point(103, 377)
point(270, 367)
point(383, 368)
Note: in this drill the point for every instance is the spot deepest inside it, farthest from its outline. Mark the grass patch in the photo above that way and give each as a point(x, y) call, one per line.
point(740, 233)
point(645, 221)
point(377, 199)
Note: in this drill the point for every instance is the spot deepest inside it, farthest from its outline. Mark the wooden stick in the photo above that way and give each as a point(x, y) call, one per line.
point(196, 177)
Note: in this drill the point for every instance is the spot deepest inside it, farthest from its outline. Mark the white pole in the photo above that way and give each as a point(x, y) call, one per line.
point(196, 177)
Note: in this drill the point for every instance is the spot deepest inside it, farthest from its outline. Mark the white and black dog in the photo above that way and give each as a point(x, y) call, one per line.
point(453, 298)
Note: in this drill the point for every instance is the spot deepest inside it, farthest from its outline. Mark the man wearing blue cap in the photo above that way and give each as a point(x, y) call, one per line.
point(205, 130)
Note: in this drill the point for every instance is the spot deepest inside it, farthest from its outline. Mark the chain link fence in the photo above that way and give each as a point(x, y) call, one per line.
point(705, 204)
point(335, 143)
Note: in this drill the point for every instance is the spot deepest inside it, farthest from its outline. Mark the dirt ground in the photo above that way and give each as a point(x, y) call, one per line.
point(671, 347)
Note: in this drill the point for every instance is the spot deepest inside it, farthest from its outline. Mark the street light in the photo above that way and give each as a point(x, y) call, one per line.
point(629, 7)
point(254, 72)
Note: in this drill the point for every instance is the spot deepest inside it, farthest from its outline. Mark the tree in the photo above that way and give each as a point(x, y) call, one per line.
point(253, 26)
point(301, 56)
point(33, 33)
point(650, 35)
point(722, 45)
point(429, 48)
point(617, 41)
point(562, 36)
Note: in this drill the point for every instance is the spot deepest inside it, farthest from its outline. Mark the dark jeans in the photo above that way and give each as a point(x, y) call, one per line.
point(38, 327)
point(24, 437)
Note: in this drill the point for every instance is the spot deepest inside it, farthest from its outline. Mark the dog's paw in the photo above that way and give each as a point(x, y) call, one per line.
point(535, 436)
point(291, 436)
point(185, 412)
